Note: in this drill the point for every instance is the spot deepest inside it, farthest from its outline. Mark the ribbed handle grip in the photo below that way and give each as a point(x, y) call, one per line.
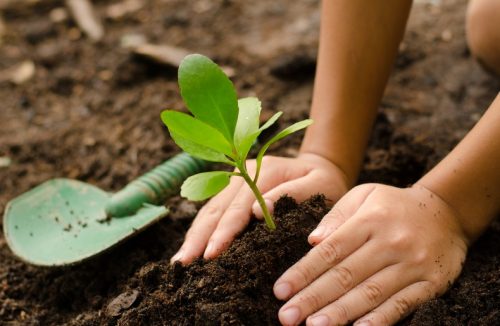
point(154, 186)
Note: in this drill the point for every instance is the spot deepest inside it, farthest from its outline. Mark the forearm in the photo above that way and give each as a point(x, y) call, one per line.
point(468, 179)
point(358, 43)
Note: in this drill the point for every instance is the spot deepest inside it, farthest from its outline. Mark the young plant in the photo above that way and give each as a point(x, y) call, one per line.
point(223, 129)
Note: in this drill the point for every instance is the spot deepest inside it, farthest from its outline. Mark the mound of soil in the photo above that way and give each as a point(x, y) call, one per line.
point(233, 289)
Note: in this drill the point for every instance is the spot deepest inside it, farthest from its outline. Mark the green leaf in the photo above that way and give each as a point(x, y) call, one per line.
point(200, 151)
point(208, 93)
point(204, 185)
point(282, 134)
point(271, 121)
point(184, 126)
point(248, 118)
point(247, 127)
point(248, 141)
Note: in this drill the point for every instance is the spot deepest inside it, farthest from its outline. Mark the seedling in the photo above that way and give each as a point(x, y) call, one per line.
point(223, 129)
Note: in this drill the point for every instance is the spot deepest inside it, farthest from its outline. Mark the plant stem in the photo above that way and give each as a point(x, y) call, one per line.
point(267, 216)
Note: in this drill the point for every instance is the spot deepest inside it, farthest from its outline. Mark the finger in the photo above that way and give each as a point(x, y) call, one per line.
point(293, 182)
point(321, 258)
point(399, 305)
point(341, 211)
point(300, 189)
point(235, 218)
point(205, 223)
point(335, 282)
point(366, 296)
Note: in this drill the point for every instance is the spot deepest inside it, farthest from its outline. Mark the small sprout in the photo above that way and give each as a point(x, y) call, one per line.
point(222, 129)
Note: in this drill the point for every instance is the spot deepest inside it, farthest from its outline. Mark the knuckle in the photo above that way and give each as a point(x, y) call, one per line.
point(312, 301)
point(421, 256)
point(401, 240)
point(303, 275)
point(329, 251)
point(438, 285)
point(334, 214)
point(341, 313)
point(380, 212)
point(237, 207)
point(344, 277)
point(194, 234)
point(211, 210)
point(402, 306)
point(380, 317)
point(372, 292)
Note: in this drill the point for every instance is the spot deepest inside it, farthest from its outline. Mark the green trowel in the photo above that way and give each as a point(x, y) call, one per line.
point(65, 221)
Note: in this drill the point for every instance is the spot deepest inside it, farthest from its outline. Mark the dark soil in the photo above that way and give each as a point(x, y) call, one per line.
point(236, 288)
point(91, 112)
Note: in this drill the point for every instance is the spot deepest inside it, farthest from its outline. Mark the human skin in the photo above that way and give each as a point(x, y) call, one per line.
point(483, 33)
point(381, 250)
point(350, 63)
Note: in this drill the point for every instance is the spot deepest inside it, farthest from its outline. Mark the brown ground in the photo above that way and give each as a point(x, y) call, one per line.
point(91, 112)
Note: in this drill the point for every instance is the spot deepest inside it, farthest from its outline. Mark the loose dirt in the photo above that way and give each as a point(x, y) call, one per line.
point(90, 111)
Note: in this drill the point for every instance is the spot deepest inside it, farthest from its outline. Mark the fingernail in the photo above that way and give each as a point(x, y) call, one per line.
point(363, 323)
point(320, 320)
point(177, 256)
point(282, 290)
point(290, 316)
point(209, 252)
point(318, 232)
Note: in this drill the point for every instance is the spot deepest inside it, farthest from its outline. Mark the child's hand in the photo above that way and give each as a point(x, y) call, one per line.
point(228, 213)
point(379, 253)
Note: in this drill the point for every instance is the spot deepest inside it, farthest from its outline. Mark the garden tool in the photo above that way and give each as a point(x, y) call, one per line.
point(64, 221)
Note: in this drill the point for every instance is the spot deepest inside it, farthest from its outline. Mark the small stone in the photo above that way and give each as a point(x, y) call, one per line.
point(229, 71)
point(74, 34)
point(105, 75)
point(89, 141)
point(23, 72)
point(5, 161)
point(58, 15)
point(446, 35)
point(121, 303)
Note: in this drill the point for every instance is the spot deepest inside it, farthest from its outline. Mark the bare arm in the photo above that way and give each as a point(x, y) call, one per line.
point(358, 44)
point(468, 179)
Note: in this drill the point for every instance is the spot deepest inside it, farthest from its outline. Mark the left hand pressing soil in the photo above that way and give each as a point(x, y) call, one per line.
point(229, 212)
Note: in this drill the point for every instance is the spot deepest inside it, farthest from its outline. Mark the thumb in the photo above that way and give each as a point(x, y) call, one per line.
point(340, 213)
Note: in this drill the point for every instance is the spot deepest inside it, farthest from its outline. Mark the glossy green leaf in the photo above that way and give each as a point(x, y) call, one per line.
point(248, 118)
point(271, 121)
point(247, 127)
point(200, 151)
point(248, 141)
point(282, 134)
point(209, 94)
point(204, 185)
point(190, 129)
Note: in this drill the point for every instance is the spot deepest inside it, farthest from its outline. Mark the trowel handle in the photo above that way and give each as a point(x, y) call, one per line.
point(156, 185)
